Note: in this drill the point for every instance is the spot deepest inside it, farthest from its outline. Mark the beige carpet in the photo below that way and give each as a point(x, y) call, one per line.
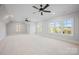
point(34, 44)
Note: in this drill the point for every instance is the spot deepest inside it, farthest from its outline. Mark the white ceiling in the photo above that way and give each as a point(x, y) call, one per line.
point(21, 11)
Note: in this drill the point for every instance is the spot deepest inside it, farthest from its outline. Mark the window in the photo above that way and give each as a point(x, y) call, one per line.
point(39, 27)
point(55, 27)
point(64, 26)
point(58, 27)
point(18, 29)
point(52, 27)
point(67, 29)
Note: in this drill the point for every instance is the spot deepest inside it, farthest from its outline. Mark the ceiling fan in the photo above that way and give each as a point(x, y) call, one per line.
point(42, 8)
point(26, 19)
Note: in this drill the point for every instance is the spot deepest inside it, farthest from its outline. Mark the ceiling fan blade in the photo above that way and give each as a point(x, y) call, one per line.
point(41, 13)
point(41, 5)
point(35, 7)
point(27, 20)
point(46, 11)
point(46, 6)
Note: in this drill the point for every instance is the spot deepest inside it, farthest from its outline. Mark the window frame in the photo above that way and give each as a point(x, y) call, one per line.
point(62, 28)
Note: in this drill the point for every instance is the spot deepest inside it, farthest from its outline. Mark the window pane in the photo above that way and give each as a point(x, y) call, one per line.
point(55, 27)
point(58, 27)
point(52, 27)
point(67, 27)
point(17, 27)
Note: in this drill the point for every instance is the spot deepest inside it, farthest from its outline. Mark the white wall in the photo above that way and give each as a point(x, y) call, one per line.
point(32, 28)
point(12, 28)
point(25, 28)
point(73, 38)
point(2, 30)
